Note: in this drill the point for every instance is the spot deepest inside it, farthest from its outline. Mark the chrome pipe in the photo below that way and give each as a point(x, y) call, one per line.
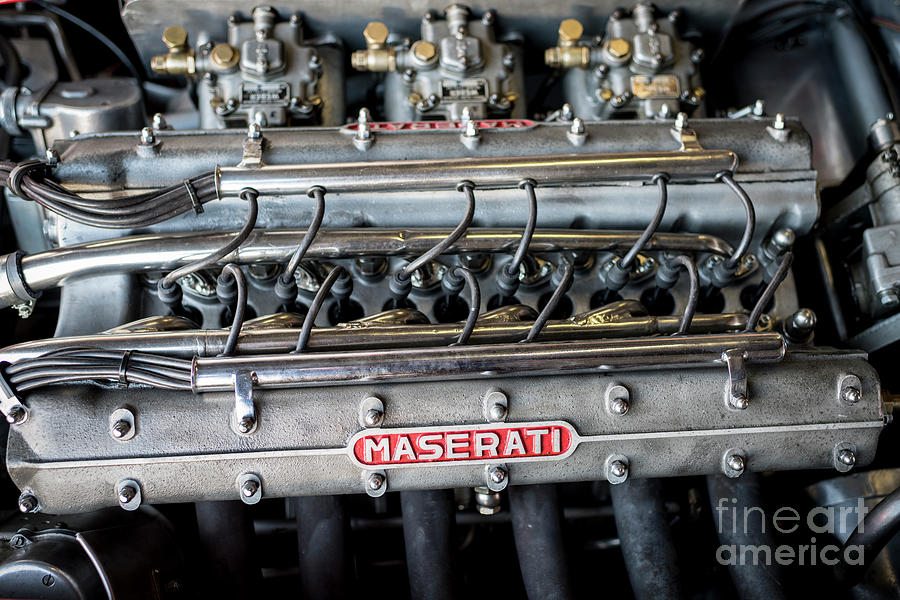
point(477, 362)
point(485, 172)
point(162, 252)
point(366, 335)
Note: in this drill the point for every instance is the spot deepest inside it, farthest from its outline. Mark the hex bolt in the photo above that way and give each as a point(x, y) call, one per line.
point(759, 107)
point(497, 475)
point(120, 429)
point(375, 481)
point(779, 122)
point(567, 113)
point(888, 298)
point(51, 156)
point(159, 122)
point(246, 424)
point(147, 137)
point(735, 462)
point(577, 127)
point(618, 469)
point(254, 131)
point(17, 415)
point(497, 412)
point(249, 488)
point(681, 121)
point(373, 418)
point(28, 503)
point(739, 402)
point(487, 502)
point(618, 406)
point(127, 494)
point(847, 457)
point(851, 395)
point(363, 131)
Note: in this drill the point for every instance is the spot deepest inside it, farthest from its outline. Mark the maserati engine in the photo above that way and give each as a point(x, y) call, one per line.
point(318, 299)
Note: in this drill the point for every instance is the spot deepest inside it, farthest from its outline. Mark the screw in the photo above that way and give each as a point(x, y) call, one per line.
point(739, 402)
point(577, 127)
point(254, 131)
point(681, 121)
point(246, 424)
point(804, 320)
point(847, 457)
point(373, 418)
point(759, 107)
point(363, 132)
point(497, 412)
point(618, 406)
point(249, 488)
point(48, 580)
point(618, 469)
point(375, 481)
point(17, 415)
point(851, 395)
point(697, 56)
point(159, 121)
point(488, 18)
point(735, 462)
point(779, 121)
point(497, 475)
point(471, 129)
point(121, 429)
point(888, 298)
point(28, 503)
point(127, 494)
point(18, 541)
point(567, 113)
point(52, 156)
point(147, 137)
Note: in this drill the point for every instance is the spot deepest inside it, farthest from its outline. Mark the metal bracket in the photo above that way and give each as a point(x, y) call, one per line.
point(737, 395)
point(687, 138)
point(243, 415)
point(12, 408)
point(252, 152)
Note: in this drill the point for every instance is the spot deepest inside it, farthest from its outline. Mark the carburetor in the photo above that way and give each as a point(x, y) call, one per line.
point(265, 73)
point(641, 67)
point(457, 63)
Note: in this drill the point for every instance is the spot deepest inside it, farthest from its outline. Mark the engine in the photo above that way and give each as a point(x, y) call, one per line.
point(304, 297)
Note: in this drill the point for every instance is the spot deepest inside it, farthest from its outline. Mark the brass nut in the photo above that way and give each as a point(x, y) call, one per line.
point(224, 56)
point(414, 98)
point(175, 37)
point(424, 51)
point(618, 48)
point(570, 31)
point(376, 34)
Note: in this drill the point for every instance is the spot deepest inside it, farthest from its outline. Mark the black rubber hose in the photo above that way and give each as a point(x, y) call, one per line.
point(537, 529)
point(645, 539)
point(758, 581)
point(226, 538)
point(474, 305)
point(428, 522)
point(240, 307)
point(322, 528)
point(769, 292)
point(310, 319)
point(564, 284)
point(693, 295)
point(661, 180)
point(317, 193)
point(750, 215)
point(12, 74)
point(877, 529)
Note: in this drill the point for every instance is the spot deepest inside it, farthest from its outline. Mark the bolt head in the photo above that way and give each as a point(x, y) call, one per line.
point(577, 126)
point(373, 417)
point(127, 494)
point(681, 121)
point(851, 395)
point(739, 402)
point(147, 136)
point(888, 298)
point(570, 31)
point(17, 415)
point(246, 424)
point(174, 36)
point(847, 457)
point(249, 488)
point(120, 429)
point(618, 406)
point(224, 56)
point(735, 462)
point(27, 503)
point(804, 319)
point(424, 51)
point(375, 481)
point(375, 33)
point(497, 475)
point(618, 48)
point(618, 469)
point(497, 412)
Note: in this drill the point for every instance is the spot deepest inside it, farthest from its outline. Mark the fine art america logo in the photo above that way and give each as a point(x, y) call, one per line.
point(817, 527)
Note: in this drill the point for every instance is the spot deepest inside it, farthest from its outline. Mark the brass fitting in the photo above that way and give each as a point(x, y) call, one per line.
point(377, 56)
point(180, 58)
point(568, 54)
point(224, 56)
point(618, 49)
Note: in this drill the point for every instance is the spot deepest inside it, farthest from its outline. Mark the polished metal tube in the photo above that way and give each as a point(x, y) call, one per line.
point(366, 336)
point(161, 252)
point(485, 361)
point(490, 172)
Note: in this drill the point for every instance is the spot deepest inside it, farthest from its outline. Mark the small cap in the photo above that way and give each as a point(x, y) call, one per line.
point(570, 31)
point(618, 48)
point(174, 36)
point(376, 33)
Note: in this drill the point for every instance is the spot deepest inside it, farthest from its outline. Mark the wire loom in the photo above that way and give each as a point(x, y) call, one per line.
point(29, 180)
